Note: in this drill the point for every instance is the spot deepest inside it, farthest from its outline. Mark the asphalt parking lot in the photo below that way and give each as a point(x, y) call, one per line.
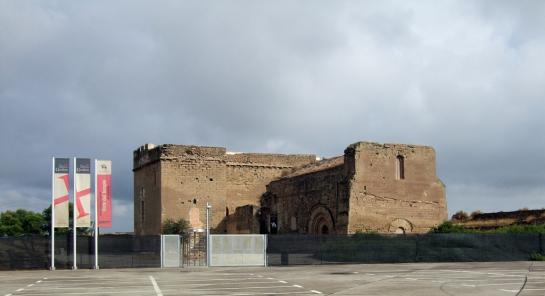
point(498, 278)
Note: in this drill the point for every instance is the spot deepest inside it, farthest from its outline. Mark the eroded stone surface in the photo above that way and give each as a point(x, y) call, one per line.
point(372, 187)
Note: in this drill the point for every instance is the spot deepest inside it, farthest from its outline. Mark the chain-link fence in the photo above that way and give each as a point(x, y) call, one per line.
point(115, 251)
point(369, 248)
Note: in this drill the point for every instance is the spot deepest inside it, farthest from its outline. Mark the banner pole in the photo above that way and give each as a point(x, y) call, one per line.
point(96, 218)
point(74, 224)
point(52, 214)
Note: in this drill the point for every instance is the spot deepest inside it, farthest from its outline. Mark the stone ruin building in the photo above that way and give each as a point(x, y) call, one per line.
point(388, 188)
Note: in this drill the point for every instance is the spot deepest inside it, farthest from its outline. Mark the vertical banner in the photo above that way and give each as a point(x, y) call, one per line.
point(104, 192)
point(61, 183)
point(82, 203)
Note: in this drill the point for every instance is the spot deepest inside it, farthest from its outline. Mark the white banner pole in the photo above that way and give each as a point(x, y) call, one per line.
point(74, 224)
point(96, 218)
point(208, 206)
point(53, 215)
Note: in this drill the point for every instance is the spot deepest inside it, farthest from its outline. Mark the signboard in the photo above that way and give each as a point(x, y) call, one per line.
point(82, 203)
point(104, 193)
point(61, 183)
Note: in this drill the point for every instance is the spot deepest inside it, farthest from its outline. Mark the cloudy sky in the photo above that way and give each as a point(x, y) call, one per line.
point(100, 78)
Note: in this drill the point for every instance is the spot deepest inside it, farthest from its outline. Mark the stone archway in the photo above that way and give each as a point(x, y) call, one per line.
point(321, 221)
point(400, 226)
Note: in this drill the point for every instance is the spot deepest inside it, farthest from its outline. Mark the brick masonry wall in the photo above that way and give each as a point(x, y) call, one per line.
point(381, 202)
point(191, 176)
point(345, 195)
point(294, 200)
point(147, 180)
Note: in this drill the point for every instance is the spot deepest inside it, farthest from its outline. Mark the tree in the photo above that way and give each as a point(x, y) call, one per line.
point(21, 222)
point(460, 216)
point(179, 226)
point(475, 213)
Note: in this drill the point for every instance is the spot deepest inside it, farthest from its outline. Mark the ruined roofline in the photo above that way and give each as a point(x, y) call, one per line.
point(389, 145)
point(150, 153)
point(319, 166)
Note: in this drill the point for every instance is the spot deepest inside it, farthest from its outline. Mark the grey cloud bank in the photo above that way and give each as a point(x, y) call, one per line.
point(99, 79)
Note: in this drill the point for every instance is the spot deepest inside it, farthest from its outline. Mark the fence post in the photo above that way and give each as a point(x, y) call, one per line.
point(416, 248)
point(541, 243)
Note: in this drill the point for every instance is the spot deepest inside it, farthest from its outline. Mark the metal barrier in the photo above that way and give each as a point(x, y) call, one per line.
point(116, 251)
point(374, 248)
point(194, 249)
point(170, 250)
point(238, 250)
point(126, 251)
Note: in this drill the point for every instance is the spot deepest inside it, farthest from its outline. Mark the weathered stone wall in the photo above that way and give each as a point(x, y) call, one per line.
point(311, 200)
point(381, 201)
point(147, 202)
point(191, 176)
point(244, 220)
point(363, 190)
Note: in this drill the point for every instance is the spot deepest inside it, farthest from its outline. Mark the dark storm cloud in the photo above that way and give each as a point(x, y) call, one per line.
point(99, 79)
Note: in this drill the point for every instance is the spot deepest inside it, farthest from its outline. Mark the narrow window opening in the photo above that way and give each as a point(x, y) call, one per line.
point(226, 211)
point(194, 201)
point(400, 167)
point(142, 206)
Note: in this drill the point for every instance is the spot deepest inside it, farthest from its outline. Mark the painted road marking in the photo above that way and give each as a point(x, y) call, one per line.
point(239, 288)
point(297, 286)
point(86, 293)
point(19, 290)
point(283, 282)
point(316, 292)
point(155, 286)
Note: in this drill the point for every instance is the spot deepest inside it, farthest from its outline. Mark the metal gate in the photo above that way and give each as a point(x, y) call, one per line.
point(238, 250)
point(194, 249)
point(170, 250)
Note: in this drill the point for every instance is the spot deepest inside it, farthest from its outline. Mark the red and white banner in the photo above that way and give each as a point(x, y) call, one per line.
point(103, 170)
point(82, 203)
point(61, 183)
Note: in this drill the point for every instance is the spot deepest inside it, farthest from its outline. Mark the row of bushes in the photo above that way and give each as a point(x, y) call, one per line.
point(450, 227)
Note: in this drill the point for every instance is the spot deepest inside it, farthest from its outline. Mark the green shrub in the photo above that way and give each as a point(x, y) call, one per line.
point(449, 227)
point(179, 226)
point(537, 256)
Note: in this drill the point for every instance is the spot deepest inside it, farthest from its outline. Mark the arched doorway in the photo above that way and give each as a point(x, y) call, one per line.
point(321, 221)
point(401, 226)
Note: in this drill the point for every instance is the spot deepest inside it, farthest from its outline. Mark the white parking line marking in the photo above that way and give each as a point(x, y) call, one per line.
point(316, 292)
point(40, 293)
point(155, 286)
point(283, 282)
point(498, 284)
point(297, 286)
point(30, 285)
point(19, 290)
point(239, 288)
point(7, 295)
